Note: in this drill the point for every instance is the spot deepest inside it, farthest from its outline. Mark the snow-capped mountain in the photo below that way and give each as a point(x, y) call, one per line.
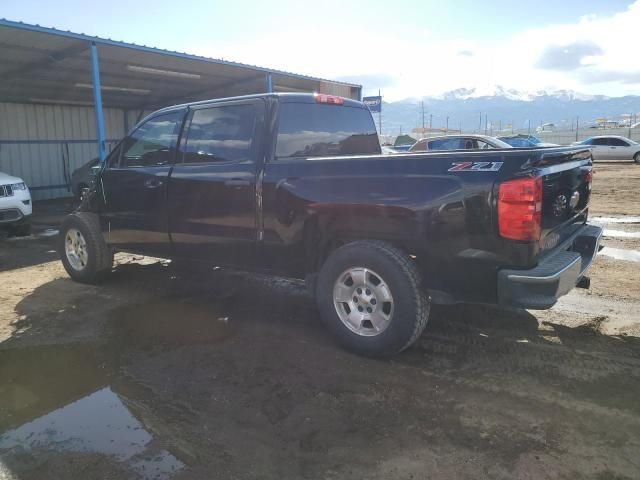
point(513, 94)
point(468, 107)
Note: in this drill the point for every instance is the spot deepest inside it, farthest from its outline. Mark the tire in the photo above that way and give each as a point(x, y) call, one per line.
point(97, 256)
point(636, 158)
point(400, 320)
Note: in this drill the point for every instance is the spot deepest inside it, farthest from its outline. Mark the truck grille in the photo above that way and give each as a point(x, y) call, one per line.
point(6, 191)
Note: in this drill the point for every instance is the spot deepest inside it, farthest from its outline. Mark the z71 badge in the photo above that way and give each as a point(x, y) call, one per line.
point(475, 166)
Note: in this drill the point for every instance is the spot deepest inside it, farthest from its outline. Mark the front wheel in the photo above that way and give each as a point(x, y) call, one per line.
point(636, 158)
point(85, 255)
point(370, 296)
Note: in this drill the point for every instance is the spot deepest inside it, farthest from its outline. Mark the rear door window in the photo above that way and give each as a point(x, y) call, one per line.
point(313, 130)
point(220, 134)
point(617, 142)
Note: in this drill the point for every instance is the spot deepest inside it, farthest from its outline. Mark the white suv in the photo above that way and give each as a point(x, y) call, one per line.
point(15, 205)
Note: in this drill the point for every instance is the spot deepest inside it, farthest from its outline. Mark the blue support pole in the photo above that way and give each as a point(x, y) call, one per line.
point(269, 83)
point(126, 122)
point(97, 102)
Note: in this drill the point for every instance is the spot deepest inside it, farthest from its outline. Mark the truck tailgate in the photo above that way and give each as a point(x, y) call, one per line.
point(566, 188)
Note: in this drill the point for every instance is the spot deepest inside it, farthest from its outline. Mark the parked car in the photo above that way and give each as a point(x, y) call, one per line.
point(386, 150)
point(458, 142)
point(376, 237)
point(525, 141)
point(82, 177)
point(15, 205)
point(402, 148)
point(546, 127)
point(612, 147)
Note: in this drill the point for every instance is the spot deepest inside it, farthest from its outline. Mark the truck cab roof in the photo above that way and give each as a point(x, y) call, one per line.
point(281, 97)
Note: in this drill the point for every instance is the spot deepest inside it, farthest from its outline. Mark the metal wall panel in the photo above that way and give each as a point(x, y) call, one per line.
point(43, 144)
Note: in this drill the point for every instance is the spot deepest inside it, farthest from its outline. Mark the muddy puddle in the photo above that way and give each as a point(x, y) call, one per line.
point(171, 323)
point(75, 399)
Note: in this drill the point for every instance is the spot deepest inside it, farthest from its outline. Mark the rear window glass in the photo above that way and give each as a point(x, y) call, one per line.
point(516, 142)
point(312, 130)
point(447, 144)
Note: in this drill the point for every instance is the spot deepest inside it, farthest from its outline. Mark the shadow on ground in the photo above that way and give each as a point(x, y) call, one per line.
point(232, 373)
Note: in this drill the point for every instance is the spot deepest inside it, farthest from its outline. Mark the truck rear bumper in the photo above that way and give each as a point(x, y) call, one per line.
point(554, 276)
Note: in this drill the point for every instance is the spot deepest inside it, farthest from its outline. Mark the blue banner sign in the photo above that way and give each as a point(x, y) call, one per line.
point(374, 103)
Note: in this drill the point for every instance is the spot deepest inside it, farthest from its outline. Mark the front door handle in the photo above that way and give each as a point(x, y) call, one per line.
point(237, 182)
point(153, 183)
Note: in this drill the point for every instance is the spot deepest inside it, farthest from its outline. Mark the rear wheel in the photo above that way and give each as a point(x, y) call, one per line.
point(85, 255)
point(636, 158)
point(370, 296)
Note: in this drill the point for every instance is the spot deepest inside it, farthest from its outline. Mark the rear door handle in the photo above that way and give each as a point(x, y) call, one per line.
point(153, 183)
point(237, 182)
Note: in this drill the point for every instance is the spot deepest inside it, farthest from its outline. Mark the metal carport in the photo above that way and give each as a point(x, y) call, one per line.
point(64, 93)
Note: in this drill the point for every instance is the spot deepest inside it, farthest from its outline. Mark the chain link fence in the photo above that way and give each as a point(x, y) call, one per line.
point(561, 137)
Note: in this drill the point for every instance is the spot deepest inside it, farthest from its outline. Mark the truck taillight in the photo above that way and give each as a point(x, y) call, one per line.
point(331, 99)
point(520, 209)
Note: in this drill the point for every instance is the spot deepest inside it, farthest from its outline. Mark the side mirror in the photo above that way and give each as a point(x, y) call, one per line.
point(95, 170)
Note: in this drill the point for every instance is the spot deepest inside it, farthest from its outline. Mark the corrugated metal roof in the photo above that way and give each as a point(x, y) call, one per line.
point(45, 65)
point(145, 48)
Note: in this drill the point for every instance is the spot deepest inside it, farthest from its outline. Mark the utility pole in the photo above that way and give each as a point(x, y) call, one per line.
point(512, 127)
point(380, 113)
point(529, 128)
point(480, 125)
point(446, 129)
point(460, 126)
point(485, 124)
point(577, 127)
point(500, 125)
point(430, 120)
point(422, 105)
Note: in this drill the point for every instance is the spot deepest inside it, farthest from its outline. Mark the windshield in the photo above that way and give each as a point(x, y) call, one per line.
point(521, 142)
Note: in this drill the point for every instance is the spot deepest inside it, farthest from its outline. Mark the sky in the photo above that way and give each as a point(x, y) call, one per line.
point(405, 48)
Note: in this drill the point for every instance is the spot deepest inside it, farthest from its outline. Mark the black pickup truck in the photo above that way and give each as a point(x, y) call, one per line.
point(296, 185)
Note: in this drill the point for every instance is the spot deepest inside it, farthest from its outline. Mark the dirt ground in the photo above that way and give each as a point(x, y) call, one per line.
point(159, 374)
point(615, 189)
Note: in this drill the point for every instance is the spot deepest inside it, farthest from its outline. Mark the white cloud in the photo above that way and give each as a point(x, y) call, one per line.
point(412, 62)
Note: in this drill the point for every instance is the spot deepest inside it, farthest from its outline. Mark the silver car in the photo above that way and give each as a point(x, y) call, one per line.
point(612, 147)
point(458, 142)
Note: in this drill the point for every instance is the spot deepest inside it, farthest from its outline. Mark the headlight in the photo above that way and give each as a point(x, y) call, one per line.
point(19, 186)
